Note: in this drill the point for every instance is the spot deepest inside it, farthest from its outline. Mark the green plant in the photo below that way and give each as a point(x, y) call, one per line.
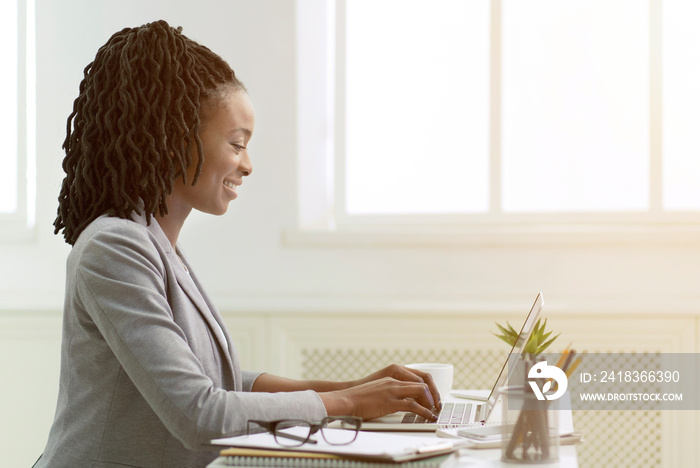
point(538, 342)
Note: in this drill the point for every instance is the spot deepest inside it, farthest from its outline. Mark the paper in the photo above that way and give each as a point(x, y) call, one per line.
point(370, 445)
point(478, 395)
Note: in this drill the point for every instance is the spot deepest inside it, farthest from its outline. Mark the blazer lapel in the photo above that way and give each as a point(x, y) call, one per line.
point(195, 293)
point(193, 289)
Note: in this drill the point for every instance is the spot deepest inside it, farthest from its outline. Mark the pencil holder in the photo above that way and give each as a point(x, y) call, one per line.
point(530, 426)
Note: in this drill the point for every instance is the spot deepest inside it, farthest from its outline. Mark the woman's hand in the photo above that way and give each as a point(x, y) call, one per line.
point(394, 388)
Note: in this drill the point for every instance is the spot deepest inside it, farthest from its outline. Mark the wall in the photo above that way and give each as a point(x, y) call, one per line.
point(251, 264)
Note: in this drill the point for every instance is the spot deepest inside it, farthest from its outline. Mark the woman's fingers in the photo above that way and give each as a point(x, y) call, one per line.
point(390, 395)
point(428, 379)
point(412, 406)
point(411, 375)
point(425, 405)
point(391, 389)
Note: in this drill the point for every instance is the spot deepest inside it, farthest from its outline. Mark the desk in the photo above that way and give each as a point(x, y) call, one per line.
point(491, 458)
point(469, 458)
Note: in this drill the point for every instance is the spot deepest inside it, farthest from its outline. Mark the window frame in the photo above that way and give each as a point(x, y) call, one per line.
point(19, 225)
point(321, 177)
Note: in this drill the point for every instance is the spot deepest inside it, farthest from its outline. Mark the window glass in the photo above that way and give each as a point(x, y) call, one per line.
point(575, 106)
point(417, 106)
point(681, 104)
point(8, 110)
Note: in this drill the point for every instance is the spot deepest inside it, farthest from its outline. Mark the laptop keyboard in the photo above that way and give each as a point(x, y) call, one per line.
point(452, 413)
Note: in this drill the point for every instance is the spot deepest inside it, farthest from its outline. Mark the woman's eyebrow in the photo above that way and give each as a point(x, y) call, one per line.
point(243, 130)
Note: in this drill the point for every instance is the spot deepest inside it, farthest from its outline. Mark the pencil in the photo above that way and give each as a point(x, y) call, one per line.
point(575, 365)
point(567, 362)
point(569, 358)
point(562, 358)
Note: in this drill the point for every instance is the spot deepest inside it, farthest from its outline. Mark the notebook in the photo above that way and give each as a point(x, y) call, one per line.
point(472, 410)
point(269, 458)
point(368, 446)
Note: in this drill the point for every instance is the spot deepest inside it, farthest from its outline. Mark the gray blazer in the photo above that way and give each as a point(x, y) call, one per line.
point(149, 373)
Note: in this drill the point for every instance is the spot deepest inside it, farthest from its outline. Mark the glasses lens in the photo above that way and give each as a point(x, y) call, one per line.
point(340, 431)
point(292, 433)
point(254, 427)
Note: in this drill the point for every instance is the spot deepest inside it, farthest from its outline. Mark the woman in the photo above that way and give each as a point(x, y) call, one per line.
point(149, 373)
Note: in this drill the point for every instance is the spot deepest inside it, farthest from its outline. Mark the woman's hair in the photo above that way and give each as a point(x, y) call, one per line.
point(135, 123)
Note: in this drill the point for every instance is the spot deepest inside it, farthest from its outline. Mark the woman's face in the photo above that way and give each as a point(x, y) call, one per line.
point(225, 134)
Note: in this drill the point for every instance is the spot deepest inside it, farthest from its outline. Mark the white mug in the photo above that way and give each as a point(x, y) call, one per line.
point(442, 375)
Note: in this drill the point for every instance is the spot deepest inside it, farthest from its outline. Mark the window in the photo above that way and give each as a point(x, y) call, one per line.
point(17, 117)
point(500, 112)
point(575, 109)
point(416, 106)
point(8, 122)
point(681, 105)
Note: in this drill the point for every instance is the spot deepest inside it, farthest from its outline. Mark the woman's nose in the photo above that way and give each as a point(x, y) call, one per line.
point(245, 167)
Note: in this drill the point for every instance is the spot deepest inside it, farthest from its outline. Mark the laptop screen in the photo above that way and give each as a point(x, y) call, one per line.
point(516, 351)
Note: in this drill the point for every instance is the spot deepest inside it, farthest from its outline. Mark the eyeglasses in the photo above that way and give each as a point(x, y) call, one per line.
point(336, 430)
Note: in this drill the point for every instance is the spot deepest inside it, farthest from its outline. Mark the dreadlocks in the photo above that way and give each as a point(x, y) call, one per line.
point(134, 124)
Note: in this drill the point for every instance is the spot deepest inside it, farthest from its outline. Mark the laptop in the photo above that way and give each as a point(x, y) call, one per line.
point(469, 409)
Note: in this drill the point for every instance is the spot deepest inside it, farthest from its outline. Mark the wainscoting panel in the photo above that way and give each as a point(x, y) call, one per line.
point(249, 336)
point(30, 347)
point(339, 346)
point(342, 348)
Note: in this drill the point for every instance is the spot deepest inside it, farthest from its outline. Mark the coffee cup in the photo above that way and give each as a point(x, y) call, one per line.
point(442, 375)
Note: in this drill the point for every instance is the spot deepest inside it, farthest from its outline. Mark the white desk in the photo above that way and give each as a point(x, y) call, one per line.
point(490, 458)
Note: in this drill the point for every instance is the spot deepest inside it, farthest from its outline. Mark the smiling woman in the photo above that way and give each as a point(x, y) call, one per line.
point(227, 130)
point(225, 137)
point(149, 371)
point(141, 161)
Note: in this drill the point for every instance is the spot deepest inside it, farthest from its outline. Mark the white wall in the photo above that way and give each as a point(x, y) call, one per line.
point(241, 256)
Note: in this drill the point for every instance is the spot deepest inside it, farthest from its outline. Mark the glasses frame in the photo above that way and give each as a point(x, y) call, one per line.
point(271, 427)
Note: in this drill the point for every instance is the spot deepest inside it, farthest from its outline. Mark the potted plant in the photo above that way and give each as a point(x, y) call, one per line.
point(538, 342)
point(528, 440)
